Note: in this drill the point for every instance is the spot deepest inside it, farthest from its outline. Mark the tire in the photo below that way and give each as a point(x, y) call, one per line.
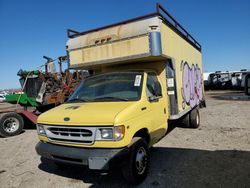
point(136, 169)
point(194, 118)
point(185, 121)
point(11, 124)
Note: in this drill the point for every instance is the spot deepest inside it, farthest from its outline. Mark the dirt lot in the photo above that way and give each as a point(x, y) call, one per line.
point(215, 155)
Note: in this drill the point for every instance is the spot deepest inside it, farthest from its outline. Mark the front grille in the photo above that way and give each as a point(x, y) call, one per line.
point(71, 132)
point(76, 135)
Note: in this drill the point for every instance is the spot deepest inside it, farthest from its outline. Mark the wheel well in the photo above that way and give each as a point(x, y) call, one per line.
point(144, 134)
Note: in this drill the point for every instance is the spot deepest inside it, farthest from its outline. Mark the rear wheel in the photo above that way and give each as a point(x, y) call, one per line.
point(194, 118)
point(136, 169)
point(185, 121)
point(10, 124)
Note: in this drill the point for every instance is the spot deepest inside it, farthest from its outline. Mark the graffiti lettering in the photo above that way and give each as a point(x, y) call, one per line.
point(191, 85)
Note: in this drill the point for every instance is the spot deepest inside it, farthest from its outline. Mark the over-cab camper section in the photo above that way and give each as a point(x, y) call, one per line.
point(156, 38)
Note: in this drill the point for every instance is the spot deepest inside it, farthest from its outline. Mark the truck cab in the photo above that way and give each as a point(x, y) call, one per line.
point(147, 75)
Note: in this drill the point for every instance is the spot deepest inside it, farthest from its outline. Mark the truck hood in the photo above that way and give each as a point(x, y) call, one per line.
point(77, 114)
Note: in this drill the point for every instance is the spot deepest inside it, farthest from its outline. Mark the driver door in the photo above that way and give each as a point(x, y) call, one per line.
point(156, 107)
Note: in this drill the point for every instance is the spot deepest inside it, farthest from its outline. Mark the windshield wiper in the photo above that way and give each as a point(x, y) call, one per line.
point(77, 100)
point(111, 98)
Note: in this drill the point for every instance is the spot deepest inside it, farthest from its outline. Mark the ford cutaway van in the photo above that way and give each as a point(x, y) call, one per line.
point(147, 75)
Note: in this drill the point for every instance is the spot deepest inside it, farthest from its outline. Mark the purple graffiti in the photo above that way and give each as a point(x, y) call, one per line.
point(191, 85)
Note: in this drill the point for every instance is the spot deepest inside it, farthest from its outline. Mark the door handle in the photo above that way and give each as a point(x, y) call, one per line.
point(143, 108)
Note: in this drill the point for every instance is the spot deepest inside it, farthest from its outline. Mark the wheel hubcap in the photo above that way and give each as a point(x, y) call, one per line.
point(141, 160)
point(197, 120)
point(10, 125)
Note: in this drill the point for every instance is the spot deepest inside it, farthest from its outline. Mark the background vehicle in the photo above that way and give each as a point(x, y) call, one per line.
point(142, 84)
point(225, 80)
point(2, 97)
point(247, 84)
point(41, 91)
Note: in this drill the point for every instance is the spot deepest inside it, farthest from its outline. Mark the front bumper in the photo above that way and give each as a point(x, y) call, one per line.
point(94, 158)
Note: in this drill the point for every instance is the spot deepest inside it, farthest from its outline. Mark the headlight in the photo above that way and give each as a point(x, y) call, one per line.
point(104, 134)
point(107, 133)
point(114, 133)
point(40, 130)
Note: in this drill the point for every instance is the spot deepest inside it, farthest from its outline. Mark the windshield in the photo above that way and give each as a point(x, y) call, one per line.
point(122, 86)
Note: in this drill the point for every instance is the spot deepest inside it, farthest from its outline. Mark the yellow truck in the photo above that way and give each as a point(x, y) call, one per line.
point(147, 74)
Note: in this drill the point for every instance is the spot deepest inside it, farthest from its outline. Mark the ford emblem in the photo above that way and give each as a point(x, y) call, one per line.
point(66, 119)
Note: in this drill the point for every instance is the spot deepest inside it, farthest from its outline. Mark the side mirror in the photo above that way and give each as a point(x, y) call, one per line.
point(158, 91)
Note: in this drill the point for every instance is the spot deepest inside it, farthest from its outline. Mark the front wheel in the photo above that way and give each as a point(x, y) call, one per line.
point(10, 124)
point(135, 170)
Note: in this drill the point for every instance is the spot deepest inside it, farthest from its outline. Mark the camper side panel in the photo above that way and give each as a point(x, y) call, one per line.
point(188, 69)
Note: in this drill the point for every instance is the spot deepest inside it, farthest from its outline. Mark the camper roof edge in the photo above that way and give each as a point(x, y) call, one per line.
point(167, 19)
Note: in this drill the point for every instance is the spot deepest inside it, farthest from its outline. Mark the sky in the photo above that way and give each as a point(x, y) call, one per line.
point(30, 29)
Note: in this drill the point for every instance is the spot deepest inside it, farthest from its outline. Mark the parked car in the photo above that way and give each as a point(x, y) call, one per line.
point(2, 97)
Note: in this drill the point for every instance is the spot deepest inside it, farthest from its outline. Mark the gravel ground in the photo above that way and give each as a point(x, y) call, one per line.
point(215, 155)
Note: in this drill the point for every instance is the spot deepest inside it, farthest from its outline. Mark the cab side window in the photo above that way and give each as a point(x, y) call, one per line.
point(151, 84)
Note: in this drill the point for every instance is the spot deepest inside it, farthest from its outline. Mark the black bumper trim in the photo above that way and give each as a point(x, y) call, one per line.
point(94, 158)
